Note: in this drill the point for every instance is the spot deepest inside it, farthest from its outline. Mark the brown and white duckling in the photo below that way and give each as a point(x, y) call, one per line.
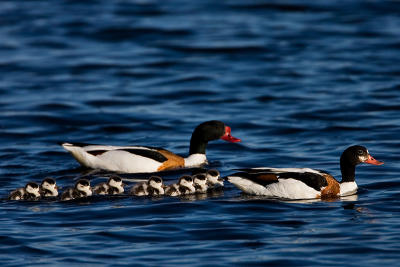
point(183, 187)
point(155, 186)
point(139, 189)
point(29, 192)
point(116, 185)
point(48, 188)
point(214, 179)
point(186, 186)
point(81, 189)
point(101, 189)
point(113, 186)
point(17, 194)
point(200, 182)
point(172, 190)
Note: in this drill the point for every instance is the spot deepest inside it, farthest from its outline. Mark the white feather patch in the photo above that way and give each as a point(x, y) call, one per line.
point(284, 188)
point(195, 160)
point(280, 170)
point(114, 160)
point(348, 188)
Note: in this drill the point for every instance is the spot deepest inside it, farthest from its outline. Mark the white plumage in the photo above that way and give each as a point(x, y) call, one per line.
point(284, 188)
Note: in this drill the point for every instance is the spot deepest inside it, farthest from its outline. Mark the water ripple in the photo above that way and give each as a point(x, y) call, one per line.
point(298, 82)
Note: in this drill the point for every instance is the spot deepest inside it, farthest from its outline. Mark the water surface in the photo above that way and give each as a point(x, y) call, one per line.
point(298, 81)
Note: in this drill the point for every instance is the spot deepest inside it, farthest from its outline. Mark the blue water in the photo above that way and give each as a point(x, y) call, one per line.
point(297, 81)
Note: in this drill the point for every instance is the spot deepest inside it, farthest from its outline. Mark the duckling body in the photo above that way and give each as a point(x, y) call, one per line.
point(156, 186)
point(183, 187)
point(214, 179)
point(81, 189)
point(113, 186)
point(68, 194)
point(140, 189)
point(17, 194)
point(172, 190)
point(101, 189)
point(30, 192)
point(186, 186)
point(200, 183)
point(48, 188)
point(116, 186)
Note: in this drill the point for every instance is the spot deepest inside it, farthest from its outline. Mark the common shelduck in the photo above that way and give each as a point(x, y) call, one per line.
point(143, 159)
point(81, 189)
point(303, 183)
point(113, 186)
point(48, 188)
point(30, 192)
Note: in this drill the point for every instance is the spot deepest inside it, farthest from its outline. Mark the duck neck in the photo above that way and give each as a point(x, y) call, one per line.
point(197, 144)
point(348, 171)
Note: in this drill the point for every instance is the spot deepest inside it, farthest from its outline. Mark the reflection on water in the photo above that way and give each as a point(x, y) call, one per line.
point(302, 201)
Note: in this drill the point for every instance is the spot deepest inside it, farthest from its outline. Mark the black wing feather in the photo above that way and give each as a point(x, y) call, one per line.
point(155, 155)
point(257, 177)
point(313, 180)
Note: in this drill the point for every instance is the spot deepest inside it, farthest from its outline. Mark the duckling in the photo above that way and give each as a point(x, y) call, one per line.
point(183, 187)
point(17, 194)
point(32, 191)
point(139, 189)
point(214, 179)
point(172, 190)
point(186, 186)
point(113, 186)
point(81, 189)
point(200, 182)
point(116, 186)
point(101, 188)
point(29, 192)
point(48, 188)
point(155, 186)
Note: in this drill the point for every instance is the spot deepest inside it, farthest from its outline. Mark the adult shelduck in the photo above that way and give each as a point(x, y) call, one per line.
point(143, 159)
point(303, 183)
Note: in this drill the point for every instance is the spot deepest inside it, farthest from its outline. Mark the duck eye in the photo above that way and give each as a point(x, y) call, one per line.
point(360, 152)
